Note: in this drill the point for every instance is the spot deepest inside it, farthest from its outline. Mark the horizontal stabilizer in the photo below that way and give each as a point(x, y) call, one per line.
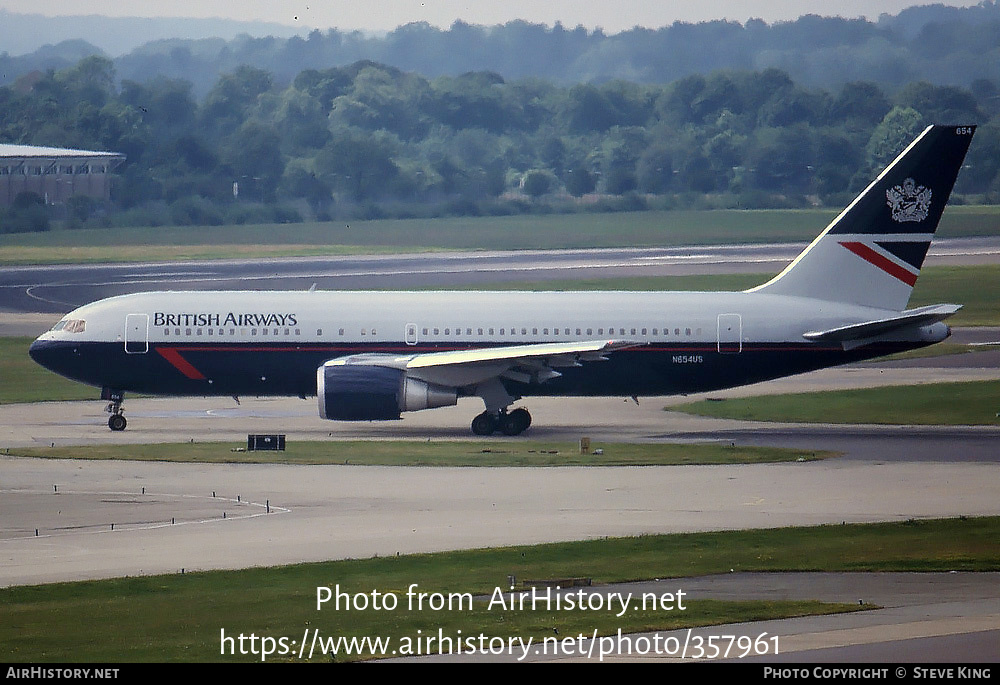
point(923, 316)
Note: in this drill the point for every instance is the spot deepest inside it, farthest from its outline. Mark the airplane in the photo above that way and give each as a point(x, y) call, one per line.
point(373, 355)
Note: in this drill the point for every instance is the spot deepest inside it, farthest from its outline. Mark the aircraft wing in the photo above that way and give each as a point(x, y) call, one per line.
point(915, 317)
point(524, 363)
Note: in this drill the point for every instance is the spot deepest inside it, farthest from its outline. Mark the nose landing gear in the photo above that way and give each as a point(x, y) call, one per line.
point(116, 421)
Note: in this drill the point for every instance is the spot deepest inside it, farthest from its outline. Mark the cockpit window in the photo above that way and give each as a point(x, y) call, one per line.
point(71, 326)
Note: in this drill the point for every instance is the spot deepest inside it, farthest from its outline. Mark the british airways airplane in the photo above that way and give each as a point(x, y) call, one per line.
point(374, 355)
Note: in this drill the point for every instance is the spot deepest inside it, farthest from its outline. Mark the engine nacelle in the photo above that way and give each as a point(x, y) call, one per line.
point(360, 392)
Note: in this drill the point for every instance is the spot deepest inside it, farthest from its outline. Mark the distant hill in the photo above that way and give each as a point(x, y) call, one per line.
point(935, 43)
point(21, 34)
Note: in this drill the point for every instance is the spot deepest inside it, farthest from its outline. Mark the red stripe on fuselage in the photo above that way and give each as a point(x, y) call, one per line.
point(875, 259)
point(180, 363)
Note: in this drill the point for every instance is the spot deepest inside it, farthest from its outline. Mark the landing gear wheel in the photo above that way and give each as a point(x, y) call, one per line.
point(117, 422)
point(484, 424)
point(515, 422)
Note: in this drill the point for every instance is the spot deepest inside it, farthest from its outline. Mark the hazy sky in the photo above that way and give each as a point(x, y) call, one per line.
point(380, 15)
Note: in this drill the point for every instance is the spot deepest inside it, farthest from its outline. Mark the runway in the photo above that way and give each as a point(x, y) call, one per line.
point(230, 516)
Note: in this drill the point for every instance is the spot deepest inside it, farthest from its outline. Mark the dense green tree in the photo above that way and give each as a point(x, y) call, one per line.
point(226, 106)
point(253, 154)
point(655, 170)
point(26, 214)
point(859, 104)
point(893, 133)
point(537, 182)
point(579, 181)
point(357, 165)
point(940, 104)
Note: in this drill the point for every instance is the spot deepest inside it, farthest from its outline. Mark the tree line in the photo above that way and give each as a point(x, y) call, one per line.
point(371, 140)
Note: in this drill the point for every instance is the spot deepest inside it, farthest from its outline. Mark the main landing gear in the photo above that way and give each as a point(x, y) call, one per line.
point(116, 421)
point(496, 417)
point(512, 423)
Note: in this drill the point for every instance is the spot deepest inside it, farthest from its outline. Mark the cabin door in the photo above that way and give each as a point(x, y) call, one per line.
point(730, 334)
point(136, 333)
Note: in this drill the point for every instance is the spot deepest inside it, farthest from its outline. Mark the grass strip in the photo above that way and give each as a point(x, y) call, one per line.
point(492, 453)
point(179, 617)
point(975, 403)
point(22, 380)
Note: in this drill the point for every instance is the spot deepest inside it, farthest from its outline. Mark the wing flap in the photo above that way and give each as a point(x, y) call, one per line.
point(533, 363)
point(553, 354)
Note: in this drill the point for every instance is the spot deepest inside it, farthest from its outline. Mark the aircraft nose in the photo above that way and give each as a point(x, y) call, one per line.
point(37, 351)
point(42, 352)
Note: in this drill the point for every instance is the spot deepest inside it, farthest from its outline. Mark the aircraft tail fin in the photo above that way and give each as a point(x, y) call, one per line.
point(871, 254)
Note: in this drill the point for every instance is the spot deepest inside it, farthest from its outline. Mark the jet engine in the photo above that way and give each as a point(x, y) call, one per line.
point(362, 392)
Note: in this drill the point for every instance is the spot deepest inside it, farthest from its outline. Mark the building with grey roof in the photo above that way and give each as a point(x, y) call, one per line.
point(55, 174)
